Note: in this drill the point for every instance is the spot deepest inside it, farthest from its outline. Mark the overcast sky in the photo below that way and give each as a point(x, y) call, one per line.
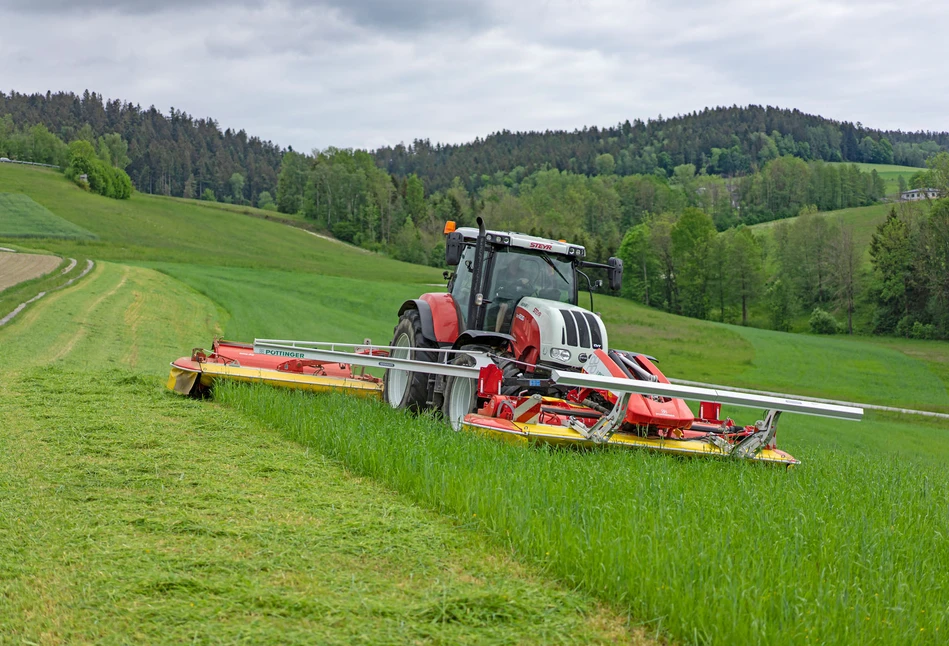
point(365, 73)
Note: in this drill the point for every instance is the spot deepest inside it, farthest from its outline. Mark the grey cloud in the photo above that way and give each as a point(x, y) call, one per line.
point(369, 72)
point(401, 15)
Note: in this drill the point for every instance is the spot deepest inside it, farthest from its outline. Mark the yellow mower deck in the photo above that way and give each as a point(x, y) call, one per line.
point(182, 379)
point(526, 433)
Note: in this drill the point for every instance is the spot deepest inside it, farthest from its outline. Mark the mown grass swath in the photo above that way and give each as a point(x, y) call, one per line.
point(847, 549)
point(131, 515)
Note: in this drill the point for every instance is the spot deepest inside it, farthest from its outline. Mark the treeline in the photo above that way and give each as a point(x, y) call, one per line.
point(724, 141)
point(94, 164)
point(910, 257)
point(174, 154)
point(681, 264)
point(805, 268)
point(344, 192)
point(34, 144)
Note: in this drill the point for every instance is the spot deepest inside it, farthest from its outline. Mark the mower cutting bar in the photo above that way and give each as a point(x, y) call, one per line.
point(616, 384)
point(327, 353)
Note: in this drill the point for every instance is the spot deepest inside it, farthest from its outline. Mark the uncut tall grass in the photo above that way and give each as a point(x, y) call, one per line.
point(844, 549)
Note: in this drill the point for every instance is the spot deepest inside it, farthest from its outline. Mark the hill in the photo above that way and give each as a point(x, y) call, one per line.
point(177, 154)
point(275, 514)
point(320, 288)
point(164, 151)
point(721, 140)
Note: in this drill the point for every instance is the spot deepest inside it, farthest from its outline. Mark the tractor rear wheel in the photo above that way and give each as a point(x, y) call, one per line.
point(401, 388)
point(461, 395)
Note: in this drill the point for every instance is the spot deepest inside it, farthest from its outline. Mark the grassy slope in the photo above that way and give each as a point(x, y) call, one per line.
point(848, 548)
point(159, 519)
point(147, 228)
point(687, 347)
point(21, 217)
point(131, 515)
point(862, 220)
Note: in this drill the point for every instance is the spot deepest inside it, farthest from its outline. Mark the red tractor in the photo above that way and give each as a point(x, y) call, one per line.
point(512, 295)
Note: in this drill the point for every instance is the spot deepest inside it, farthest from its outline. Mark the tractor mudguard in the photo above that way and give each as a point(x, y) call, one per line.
point(481, 337)
point(438, 314)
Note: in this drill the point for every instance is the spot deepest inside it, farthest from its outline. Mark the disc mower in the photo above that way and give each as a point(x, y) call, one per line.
point(508, 351)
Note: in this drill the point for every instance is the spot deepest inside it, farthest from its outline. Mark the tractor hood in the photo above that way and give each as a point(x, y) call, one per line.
point(568, 334)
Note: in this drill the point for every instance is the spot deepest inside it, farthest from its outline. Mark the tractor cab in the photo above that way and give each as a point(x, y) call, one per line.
point(496, 270)
point(509, 273)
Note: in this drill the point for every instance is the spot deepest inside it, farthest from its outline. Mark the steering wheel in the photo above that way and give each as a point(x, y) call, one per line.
point(534, 278)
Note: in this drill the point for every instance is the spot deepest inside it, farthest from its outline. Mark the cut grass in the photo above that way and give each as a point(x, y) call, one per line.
point(131, 515)
point(848, 549)
point(21, 217)
point(116, 316)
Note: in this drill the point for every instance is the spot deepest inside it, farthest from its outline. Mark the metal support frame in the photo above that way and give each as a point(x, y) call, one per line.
point(347, 353)
point(376, 356)
point(606, 426)
point(748, 400)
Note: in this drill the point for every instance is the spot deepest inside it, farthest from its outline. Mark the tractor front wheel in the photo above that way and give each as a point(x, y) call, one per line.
point(401, 388)
point(461, 395)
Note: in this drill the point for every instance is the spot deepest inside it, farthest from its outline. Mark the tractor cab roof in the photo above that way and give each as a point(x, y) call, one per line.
point(523, 241)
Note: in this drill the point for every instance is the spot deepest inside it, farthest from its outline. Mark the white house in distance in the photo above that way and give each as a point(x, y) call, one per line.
point(919, 194)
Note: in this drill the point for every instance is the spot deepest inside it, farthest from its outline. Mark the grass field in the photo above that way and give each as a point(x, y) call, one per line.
point(847, 548)
point(133, 516)
point(146, 228)
point(21, 217)
point(862, 220)
point(889, 173)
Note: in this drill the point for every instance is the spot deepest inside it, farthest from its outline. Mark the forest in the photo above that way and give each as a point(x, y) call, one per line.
point(673, 197)
point(723, 141)
point(174, 154)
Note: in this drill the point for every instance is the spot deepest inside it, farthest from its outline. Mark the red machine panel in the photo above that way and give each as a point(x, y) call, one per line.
point(444, 316)
point(526, 335)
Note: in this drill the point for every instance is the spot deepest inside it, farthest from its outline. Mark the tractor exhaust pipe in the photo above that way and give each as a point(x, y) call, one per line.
point(476, 302)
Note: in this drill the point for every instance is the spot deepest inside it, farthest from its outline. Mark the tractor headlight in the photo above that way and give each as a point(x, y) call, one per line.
point(559, 354)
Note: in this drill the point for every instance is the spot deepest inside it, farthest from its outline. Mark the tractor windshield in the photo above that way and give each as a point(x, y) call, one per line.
point(512, 274)
point(518, 273)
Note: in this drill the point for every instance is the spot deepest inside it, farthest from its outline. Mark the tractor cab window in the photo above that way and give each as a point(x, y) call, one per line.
point(518, 273)
point(461, 283)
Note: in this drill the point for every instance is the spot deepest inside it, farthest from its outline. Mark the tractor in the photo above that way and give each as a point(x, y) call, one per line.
point(512, 295)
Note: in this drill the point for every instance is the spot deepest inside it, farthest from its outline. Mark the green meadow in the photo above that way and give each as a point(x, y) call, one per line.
point(21, 217)
point(889, 173)
point(135, 515)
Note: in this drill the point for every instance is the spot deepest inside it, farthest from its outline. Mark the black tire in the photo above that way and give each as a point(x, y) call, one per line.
point(461, 395)
point(413, 385)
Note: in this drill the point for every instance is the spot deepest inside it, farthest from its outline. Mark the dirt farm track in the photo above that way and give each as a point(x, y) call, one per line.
point(17, 267)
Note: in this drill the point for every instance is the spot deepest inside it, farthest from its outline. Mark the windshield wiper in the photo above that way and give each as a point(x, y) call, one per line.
point(554, 267)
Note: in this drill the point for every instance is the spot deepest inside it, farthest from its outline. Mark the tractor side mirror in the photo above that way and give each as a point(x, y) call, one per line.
point(454, 245)
point(614, 274)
